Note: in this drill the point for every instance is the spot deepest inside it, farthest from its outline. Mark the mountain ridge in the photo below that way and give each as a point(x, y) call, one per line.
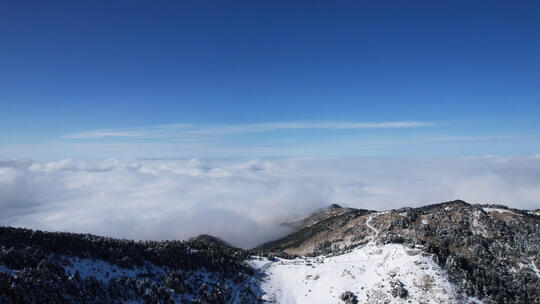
point(482, 253)
point(463, 238)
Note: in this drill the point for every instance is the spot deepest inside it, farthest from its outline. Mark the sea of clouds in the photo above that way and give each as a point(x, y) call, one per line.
point(243, 201)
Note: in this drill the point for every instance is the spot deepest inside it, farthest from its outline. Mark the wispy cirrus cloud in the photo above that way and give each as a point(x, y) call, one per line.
point(140, 132)
point(186, 130)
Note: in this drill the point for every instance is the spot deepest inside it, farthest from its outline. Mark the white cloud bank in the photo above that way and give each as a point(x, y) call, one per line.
point(243, 201)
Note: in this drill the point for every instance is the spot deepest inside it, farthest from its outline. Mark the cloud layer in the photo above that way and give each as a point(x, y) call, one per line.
point(243, 201)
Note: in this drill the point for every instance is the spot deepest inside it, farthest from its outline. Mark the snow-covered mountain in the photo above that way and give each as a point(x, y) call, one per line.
point(490, 253)
point(451, 252)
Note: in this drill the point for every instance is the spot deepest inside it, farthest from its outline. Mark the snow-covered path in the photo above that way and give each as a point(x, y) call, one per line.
point(371, 227)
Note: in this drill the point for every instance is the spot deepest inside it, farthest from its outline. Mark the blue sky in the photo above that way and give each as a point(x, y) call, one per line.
point(222, 79)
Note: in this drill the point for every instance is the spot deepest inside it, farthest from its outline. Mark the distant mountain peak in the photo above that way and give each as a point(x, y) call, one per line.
point(334, 206)
point(209, 240)
point(316, 216)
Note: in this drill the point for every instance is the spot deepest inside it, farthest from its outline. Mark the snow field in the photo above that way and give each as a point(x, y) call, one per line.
point(366, 271)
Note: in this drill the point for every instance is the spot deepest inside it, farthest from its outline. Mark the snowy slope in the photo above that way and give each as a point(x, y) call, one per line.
point(105, 272)
point(390, 273)
point(371, 272)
